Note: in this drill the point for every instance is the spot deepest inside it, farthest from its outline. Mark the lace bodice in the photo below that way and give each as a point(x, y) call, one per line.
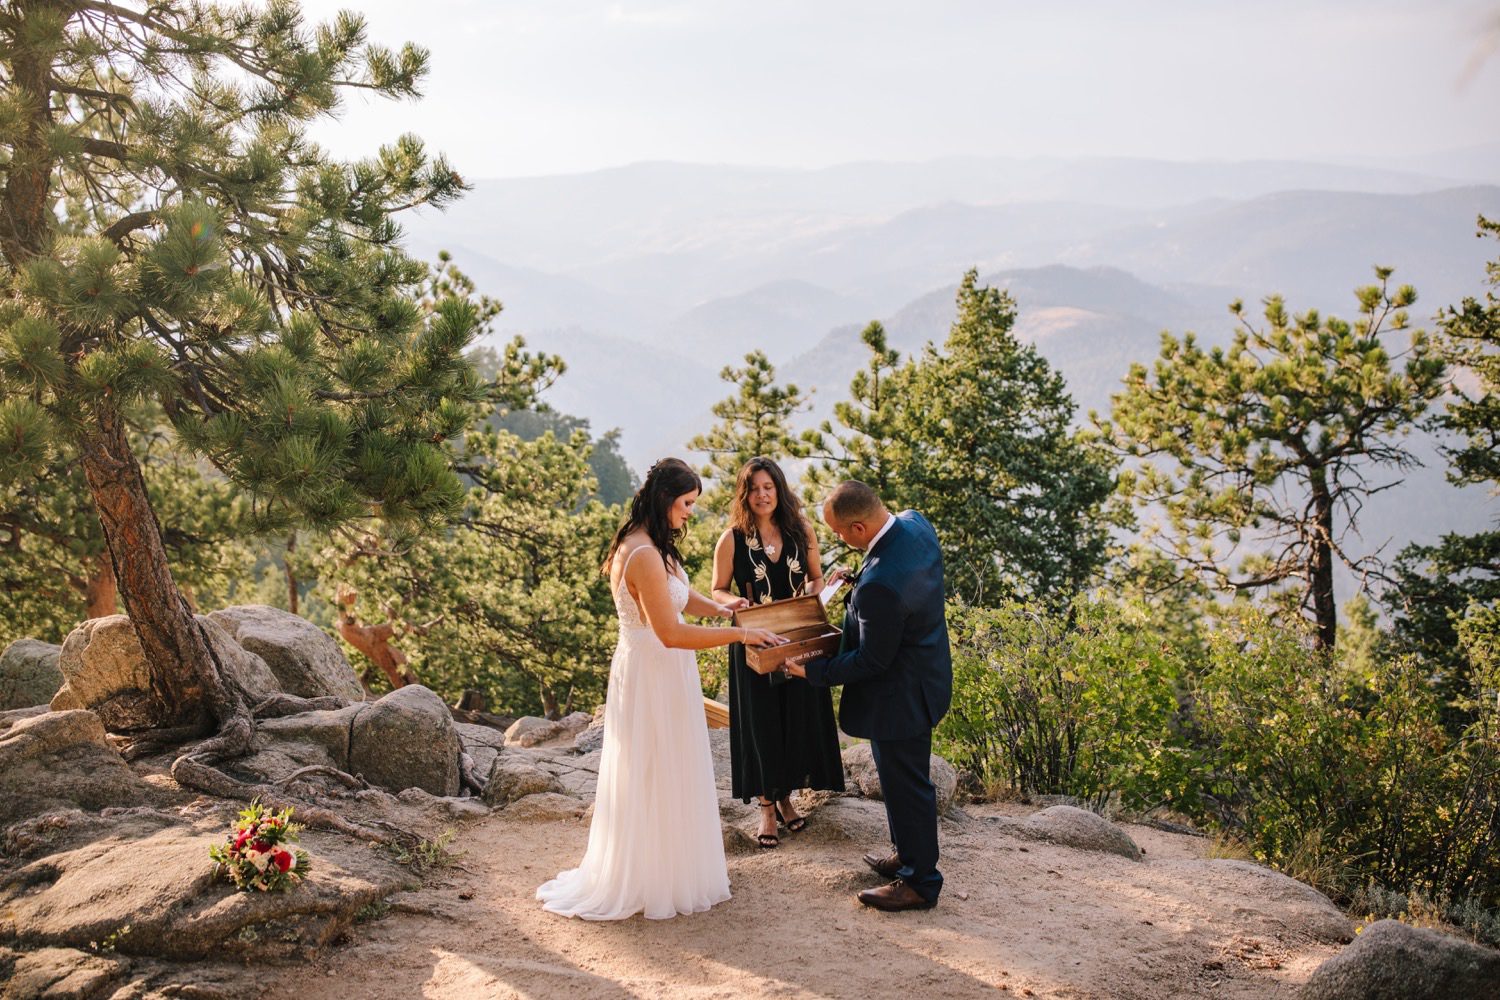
point(625, 605)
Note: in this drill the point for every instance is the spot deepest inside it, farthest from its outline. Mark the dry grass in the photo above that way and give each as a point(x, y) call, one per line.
point(1229, 847)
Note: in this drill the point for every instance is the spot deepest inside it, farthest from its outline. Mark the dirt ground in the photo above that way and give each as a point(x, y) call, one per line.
point(1016, 918)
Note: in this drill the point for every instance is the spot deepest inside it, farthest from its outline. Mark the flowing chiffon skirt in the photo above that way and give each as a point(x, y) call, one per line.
point(655, 844)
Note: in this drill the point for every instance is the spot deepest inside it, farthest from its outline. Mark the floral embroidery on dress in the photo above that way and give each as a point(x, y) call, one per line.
point(762, 572)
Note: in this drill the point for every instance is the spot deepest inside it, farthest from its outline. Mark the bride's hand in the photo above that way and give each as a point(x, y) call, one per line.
point(762, 637)
point(727, 610)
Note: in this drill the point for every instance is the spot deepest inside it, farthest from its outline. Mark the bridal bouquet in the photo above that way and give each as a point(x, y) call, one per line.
point(256, 854)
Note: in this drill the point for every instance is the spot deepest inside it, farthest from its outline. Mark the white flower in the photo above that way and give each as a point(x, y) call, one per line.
point(753, 542)
point(760, 572)
point(793, 564)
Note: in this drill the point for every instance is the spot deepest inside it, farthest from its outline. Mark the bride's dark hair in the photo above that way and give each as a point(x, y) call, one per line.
point(667, 480)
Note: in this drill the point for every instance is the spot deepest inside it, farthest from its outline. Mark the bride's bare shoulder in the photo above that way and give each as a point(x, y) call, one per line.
point(629, 546)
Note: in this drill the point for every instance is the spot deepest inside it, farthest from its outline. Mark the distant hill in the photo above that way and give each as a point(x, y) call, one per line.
point(780, 318)
point(686, 233)
point(1314, 246)
point(648, 279)
point(654, 398)
point(1091, 324)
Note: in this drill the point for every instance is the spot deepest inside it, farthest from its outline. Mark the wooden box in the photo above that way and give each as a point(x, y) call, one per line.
point(799, 620)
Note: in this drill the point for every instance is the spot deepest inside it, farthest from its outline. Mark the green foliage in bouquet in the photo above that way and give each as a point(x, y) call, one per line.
point(257, 856)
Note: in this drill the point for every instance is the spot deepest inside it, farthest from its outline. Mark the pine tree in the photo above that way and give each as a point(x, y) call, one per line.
point(1015, 493)
point(217, 261)
point(865, 446)
point(1436, 587)
point(507, 599)
point(976, 435)
point(1272, 443)
point(1471, 343)
point(54, 568)
point(754, 421)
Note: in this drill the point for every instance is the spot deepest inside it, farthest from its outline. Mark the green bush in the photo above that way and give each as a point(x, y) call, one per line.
point(1334, 768)
point(1343, 776)
point(1081, 703)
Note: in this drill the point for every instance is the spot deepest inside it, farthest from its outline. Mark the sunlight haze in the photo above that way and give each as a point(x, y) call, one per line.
point(532, 88)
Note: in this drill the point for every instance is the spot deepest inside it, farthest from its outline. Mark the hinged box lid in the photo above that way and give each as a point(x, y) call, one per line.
point(783, 616)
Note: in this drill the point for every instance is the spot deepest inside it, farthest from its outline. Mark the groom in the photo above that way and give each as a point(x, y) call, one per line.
point(897, 674)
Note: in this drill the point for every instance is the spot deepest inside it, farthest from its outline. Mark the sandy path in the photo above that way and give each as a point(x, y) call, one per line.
point(1037, 920)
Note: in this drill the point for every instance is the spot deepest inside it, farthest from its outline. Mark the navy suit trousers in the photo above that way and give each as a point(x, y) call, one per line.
point(911, 809)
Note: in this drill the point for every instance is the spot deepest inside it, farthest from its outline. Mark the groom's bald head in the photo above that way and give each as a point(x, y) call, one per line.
point(852, 500)
point(855, 512)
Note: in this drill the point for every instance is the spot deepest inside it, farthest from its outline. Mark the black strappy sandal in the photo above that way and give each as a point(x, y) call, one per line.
point(793, 826)
point(768, 840)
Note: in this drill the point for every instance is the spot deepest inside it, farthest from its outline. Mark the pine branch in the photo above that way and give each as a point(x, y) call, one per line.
point(129, 224)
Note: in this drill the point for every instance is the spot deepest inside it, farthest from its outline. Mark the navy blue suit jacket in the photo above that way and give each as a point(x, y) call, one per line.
point(897, 669)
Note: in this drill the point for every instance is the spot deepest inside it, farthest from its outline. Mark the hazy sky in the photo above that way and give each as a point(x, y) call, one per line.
point(556, 86)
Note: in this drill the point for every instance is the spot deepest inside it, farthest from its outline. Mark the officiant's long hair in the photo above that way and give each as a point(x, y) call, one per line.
point(788, 514)
point(667, 480)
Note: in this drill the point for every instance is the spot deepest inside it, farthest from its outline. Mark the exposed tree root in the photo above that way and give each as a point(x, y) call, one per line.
point(282, 704)
point(192, 773)
point(344, 778)
point(468, 774)
point(137, 745)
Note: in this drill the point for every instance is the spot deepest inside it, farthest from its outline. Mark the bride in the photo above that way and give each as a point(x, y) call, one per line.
point(655, 843)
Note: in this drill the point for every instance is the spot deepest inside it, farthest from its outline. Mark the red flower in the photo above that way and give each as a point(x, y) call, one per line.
point(261, 845)
point(239, 842)
point(283, 860)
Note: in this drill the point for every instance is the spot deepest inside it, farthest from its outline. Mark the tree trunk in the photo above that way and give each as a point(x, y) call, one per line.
point(184, 674)
point(1320, 565)
point(100, 590)
point(549, 704)
point(26, 219)
point(374, 641)
point(291, 576)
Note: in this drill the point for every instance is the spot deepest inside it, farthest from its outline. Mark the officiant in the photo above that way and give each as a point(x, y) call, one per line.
point(782, 732)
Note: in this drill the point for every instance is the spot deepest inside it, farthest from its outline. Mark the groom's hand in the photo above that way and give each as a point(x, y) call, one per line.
point(840, 574)
point(793, 665)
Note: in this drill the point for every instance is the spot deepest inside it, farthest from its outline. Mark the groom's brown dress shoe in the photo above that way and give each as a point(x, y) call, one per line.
point(887, 867)
point(896, 896)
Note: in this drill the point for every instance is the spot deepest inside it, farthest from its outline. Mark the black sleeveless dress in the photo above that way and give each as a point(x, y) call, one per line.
point(782, 737)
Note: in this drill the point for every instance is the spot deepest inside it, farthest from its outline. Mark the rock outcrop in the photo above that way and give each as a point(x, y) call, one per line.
point(532, 730)
point(1395, 961)
point(514, 776)
point(406, 740)
point(104, 670)
point(1072, 827)
point(149, 889)
point(29, 674)
point(60, 973)
point(57, 760)
point(305, 660)
point(861, 778)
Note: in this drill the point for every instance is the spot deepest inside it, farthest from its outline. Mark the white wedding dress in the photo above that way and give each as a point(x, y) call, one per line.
point(655, 844)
